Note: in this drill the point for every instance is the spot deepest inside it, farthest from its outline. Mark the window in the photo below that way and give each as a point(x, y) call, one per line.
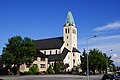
point(73, 61)
point(67, 37)
point(67, 44)
point(44, 52)
point(52, 64)
point(56, 51)
point(42, 65)
point(42, 59)
point(28, 65)
point(65, 30)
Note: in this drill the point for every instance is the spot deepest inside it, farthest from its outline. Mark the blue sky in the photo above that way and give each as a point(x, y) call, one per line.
point(39, 19)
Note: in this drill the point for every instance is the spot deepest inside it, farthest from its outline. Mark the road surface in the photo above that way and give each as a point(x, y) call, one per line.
point(51, 77)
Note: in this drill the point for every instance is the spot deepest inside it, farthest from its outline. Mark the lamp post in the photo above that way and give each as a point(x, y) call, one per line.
point(107, 62)
point(87, 57)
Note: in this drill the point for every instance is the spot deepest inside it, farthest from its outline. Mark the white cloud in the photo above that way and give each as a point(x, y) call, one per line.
point(99, 39)
point(104, 44)
point(110, 26)
point(107, 47)
point(115, 55)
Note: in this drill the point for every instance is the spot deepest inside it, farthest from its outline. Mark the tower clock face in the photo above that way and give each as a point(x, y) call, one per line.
point(74, 31)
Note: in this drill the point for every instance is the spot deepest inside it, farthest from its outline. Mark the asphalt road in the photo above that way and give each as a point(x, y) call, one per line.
point(51, 77)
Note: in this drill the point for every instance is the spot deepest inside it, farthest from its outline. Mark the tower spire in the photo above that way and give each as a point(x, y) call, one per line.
point(69, 19)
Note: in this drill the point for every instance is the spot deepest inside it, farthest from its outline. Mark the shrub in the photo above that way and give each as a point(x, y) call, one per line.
point(26, 73)
point(34, 69)
point(50, 70)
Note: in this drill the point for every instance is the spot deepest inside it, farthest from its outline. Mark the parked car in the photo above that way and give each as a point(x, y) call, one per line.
point(109, 77)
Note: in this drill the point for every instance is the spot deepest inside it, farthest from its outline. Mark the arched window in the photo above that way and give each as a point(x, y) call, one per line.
point(67, 37)
point(66, 30)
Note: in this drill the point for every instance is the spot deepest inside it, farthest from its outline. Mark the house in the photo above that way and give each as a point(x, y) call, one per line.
point(40, 59)
point(58, 49)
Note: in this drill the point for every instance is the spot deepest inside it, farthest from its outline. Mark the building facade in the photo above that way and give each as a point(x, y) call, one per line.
point(59, 48)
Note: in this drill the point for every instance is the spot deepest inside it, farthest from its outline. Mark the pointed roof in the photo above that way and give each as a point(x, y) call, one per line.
point(70, 19)
point(75, 50)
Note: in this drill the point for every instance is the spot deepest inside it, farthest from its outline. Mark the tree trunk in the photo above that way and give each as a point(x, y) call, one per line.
point(94, 71)
point(18, 67)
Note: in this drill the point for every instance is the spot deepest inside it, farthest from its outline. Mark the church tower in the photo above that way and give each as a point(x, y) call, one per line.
point(70, 32)
point(70, 41)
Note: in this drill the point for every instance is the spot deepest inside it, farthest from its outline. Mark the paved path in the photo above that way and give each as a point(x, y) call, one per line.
point(51, 77)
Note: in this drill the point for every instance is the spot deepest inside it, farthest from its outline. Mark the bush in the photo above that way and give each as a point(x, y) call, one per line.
point(34, 69)
point(74, 69)
point(59, 67)
point(50, 70)
point(26, 73)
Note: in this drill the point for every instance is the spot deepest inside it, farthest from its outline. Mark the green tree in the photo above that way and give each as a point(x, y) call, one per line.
point(94, 59)
point(84, 62)
point(18, 51)
point(34, 69)
point(97, 61)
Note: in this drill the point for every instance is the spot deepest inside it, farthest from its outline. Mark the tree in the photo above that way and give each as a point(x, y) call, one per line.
point(18, 51)
point(97, 61)
point(94, 59)
point(34, 69)
point(84, 62)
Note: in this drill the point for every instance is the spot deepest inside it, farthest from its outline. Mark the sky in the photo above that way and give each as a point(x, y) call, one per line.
point(40, 19)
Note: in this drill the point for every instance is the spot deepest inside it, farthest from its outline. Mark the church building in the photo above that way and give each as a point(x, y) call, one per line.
point(59, 48)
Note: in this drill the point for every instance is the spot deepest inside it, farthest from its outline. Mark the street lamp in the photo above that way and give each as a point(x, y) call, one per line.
point(107, 62)
point(87, 57)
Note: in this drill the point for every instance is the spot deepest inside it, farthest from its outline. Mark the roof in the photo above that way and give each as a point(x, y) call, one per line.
point(50, 43)
point(40, 54)
point(75, 50)
point(56, 57)
point(69, 19)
